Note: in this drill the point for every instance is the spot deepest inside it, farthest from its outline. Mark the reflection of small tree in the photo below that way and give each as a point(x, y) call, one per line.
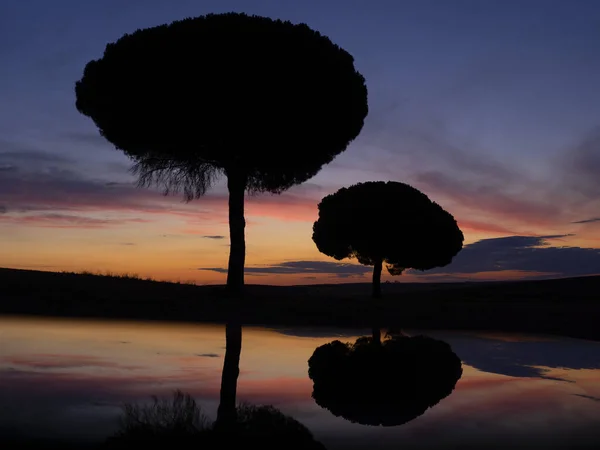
point(181, 424)
point(389, 222)
point(270, 428)
point(263, 102)
point(388, 384)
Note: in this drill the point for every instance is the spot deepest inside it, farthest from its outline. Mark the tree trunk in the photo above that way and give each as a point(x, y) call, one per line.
point(227, 412)
point(377, 278)
point(236, 184)
point(376, 335)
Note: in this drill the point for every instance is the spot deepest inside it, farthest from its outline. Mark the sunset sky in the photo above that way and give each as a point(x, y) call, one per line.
point(491, 108)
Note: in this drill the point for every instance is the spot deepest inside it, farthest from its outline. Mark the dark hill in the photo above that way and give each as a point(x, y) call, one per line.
point(569, 306)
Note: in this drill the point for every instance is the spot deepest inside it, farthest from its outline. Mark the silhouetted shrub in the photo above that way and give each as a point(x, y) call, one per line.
point(387, 383)
point(180, 424)
point(181, 414)
point(179, 420)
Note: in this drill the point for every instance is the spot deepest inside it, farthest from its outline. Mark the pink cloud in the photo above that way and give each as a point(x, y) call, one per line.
point(53, 220)
point(67, 192)
point(483, 227)
point(491, 200)
point(66, 362)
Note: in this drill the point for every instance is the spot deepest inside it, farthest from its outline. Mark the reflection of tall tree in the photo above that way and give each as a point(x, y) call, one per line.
point(263, 426)
point(227, 412)
point(383, 383)
point(181, 424)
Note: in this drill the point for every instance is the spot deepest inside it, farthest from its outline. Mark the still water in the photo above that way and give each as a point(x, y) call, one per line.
point(68, 379)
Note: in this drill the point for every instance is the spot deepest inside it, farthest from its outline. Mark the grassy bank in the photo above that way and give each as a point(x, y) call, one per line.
point(568, 306)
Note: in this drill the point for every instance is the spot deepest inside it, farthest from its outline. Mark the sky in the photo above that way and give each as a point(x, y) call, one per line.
point(491, 108)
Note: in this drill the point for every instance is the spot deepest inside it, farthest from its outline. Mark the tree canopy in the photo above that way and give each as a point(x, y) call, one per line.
point(227, 92)
point(262, 101)
point(386, 221)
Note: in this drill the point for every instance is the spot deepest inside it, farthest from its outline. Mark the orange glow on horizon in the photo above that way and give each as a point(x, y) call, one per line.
point(174, 240)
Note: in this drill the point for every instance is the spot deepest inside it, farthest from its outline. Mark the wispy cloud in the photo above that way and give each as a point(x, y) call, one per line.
point(534, 254)
point(529, 358)
point(16, 153)
point(593, 220)
point(67, 191)
point(57, 192)
point(342, 270)
point(581, 165)
point(94, 138)
point(214, 237)
point(482, 198)
point(474, 183)
point(52, 361)
point(485, 227)
point(51, 220)
point(589, 397)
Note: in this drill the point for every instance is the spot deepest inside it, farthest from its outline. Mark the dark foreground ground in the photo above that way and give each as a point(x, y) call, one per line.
point(569, 306)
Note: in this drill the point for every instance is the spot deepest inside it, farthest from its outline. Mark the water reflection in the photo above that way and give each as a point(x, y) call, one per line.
point(524, 356)
point(68, 378)
point(389, 382)
point(263, 427)
point(179, 423)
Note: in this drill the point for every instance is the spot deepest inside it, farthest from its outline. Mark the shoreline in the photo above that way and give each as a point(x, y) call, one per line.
point(567, 307)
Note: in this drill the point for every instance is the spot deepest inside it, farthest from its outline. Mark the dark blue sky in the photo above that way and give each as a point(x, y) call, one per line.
point(490, 107)
point(514, 79)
